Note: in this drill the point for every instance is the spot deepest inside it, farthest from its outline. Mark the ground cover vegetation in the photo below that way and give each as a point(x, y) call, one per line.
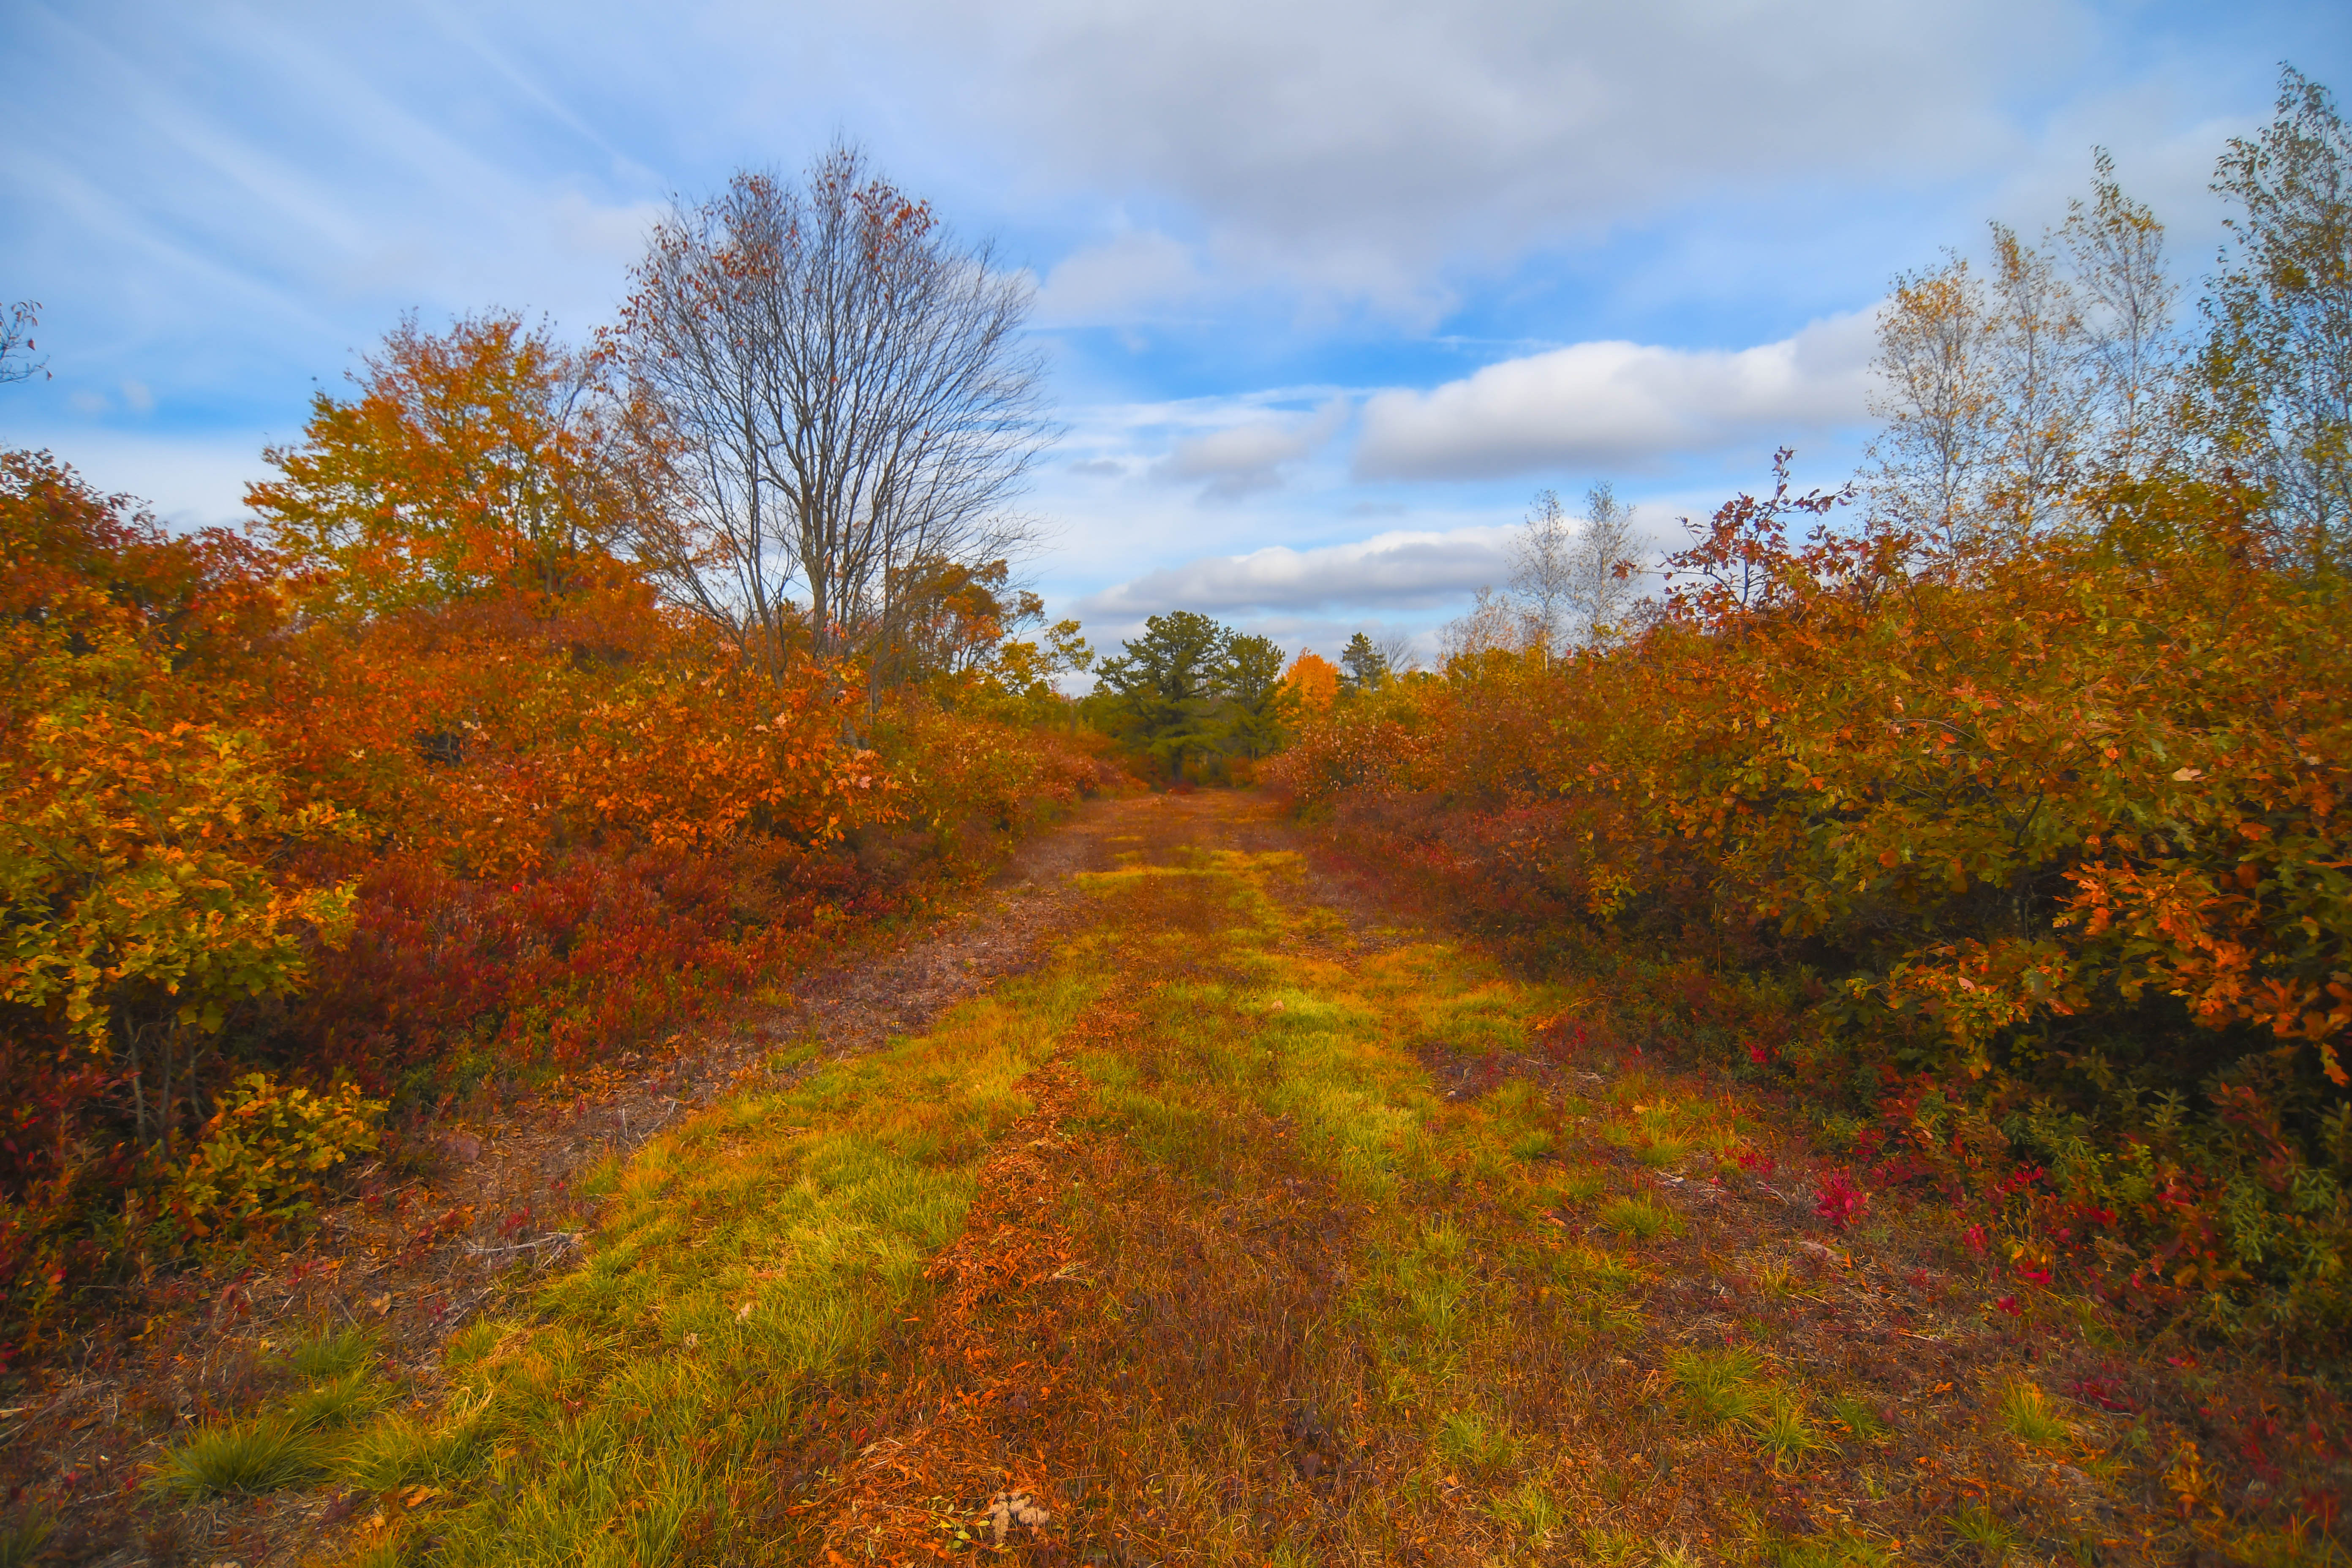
point(1250, 1228)
point(1889, 1103)
point(519, 726)
point(1995, 801)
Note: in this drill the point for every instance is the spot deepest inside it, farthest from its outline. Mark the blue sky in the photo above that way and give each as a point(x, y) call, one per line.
point(1327, 291)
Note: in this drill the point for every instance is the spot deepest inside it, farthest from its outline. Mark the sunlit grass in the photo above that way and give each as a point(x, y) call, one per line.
point(332, 1352)
point(1471, 1441)
point(1718, 1387)
point(1637, 1219)
point(770, 1241)
point(771, 1255)
point(2026, 1411)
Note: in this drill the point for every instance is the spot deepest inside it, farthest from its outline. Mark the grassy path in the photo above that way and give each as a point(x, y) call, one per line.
point(1240, 1232)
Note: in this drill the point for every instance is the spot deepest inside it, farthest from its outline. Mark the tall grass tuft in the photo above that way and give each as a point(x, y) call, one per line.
point(1718, 1386)
point(242, 1456)
point(332, 1353)
point(22, 1537)
point(1638, 1219)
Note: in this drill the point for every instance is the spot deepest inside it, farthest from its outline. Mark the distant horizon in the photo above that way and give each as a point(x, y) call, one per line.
point(1326, 296)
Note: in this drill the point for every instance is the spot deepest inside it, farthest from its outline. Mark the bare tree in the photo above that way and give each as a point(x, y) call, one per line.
point(1543, 571)
point(1399, 655)
point(843, 400)
point(1602, 582)
point(1493, 622)
point(17, 325)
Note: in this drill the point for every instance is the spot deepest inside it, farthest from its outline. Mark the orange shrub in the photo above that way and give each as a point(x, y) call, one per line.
point(2051, 839)
point(405, 834)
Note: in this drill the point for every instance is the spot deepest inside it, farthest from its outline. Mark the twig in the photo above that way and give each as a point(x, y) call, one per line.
point(555, 1238)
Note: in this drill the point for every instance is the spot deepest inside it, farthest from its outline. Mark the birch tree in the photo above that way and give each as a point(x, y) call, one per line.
point(2277, 363)
point(1603, 584)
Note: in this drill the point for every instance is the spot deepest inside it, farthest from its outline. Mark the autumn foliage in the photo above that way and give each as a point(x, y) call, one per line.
point(419, 785)
point(2032, 869)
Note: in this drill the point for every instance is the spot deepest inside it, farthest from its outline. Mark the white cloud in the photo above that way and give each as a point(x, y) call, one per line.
point(1126, 278)
point(1619, 406)
point(1361, 146)
point(1242, 459)
point(1395, 572)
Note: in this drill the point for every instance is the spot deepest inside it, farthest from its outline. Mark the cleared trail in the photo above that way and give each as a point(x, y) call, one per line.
point(1237, 1223)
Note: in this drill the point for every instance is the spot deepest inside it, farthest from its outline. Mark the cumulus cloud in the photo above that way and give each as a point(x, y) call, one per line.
point(1397, 572)
point(1242, 459)
point(1619, 406)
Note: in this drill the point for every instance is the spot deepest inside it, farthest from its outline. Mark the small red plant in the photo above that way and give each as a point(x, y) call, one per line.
point(1839, 1202)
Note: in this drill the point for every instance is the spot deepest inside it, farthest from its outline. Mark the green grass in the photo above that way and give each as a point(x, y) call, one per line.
point(1829, 1551)
point(1531, 1510)
point(1580, 1188)
point(754, 1253)
point(1471, 1442)
point(1637, 1219)
point(1858, 1416)
point(1718, 1387)
point(22, 1537)
point(1613, 1548)
point(2025, 1410)
point(1660, 1152)
point(331, 1355)
point(289, 1441)
point(337, 1402)
point(1782, 1428)
point(1982, 1531)
point(261, 1454)
point(1268, 1203)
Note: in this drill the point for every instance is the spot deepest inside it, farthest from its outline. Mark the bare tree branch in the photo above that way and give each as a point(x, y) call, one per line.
point(844, 400)
point(17, 325)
